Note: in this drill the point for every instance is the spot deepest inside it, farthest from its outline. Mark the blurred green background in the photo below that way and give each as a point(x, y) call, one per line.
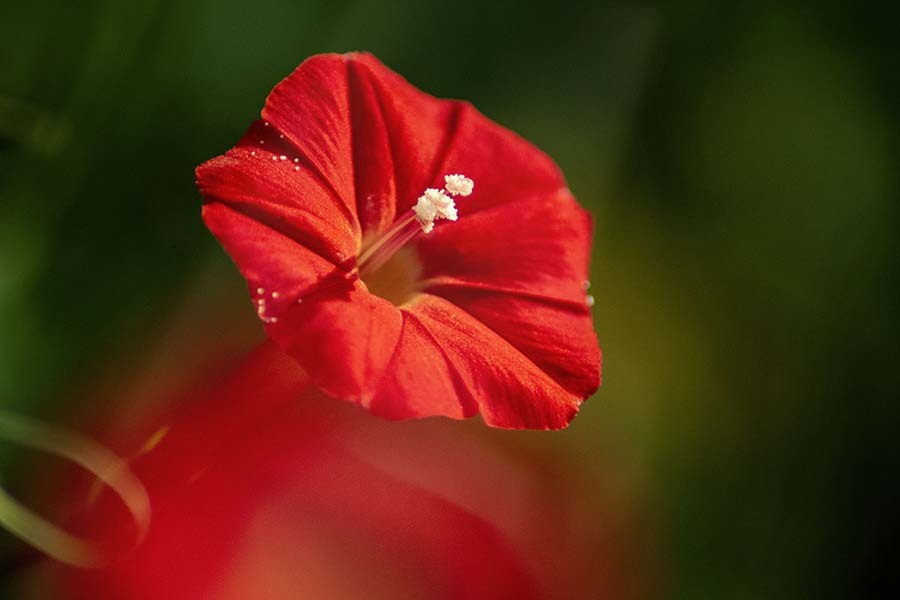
point(740, 161)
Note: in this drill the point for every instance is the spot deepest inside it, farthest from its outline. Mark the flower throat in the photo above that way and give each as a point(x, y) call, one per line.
point(388, 268)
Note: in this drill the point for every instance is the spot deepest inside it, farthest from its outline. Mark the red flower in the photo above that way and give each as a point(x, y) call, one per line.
point(292, 511)
point(319, 501)
point(486, 314)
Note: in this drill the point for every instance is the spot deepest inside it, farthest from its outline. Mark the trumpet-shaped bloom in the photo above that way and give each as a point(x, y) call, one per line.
point(413, 256)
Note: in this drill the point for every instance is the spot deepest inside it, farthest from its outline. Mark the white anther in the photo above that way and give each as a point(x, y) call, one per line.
point(458, 185)
point(434, 204)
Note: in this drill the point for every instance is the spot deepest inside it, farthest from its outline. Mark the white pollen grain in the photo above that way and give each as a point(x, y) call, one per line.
point(296, 160)
point(260, 291)
point(274, 294)
point(296, 168)
point(282, 157)
point(589, 300)
point(253, 153)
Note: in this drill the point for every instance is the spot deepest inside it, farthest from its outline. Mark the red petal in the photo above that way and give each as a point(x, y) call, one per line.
point(376, 194)
point(419, 381)
point(374, 139)
point(538, 246)
point(521, 274)
point(282, 195)
point(343, 336)
point(311, 108)
point(420, 127)
point(557, 337)
point(269, 259)
point(505, 167)
point(508, 388)
point(428, 138)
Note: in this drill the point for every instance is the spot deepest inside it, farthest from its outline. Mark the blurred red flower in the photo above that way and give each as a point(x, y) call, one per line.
point(319, 501)
point(488, 314)
point(292, 512)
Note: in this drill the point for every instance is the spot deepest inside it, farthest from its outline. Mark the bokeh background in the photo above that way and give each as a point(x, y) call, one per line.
point(740, 161)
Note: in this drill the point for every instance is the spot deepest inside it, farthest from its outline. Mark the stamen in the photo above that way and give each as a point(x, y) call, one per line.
point(388, 250)
point(432, 205)
point(458, 185)
point(386, 237)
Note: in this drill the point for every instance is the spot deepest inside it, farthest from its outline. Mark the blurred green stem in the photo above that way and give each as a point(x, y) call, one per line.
point(85, 452)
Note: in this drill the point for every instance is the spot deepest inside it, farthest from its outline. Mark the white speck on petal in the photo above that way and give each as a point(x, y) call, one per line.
point(282, 157)
point(589, 300)
point(260, 291)
point(274, 294)
point(459, 185)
